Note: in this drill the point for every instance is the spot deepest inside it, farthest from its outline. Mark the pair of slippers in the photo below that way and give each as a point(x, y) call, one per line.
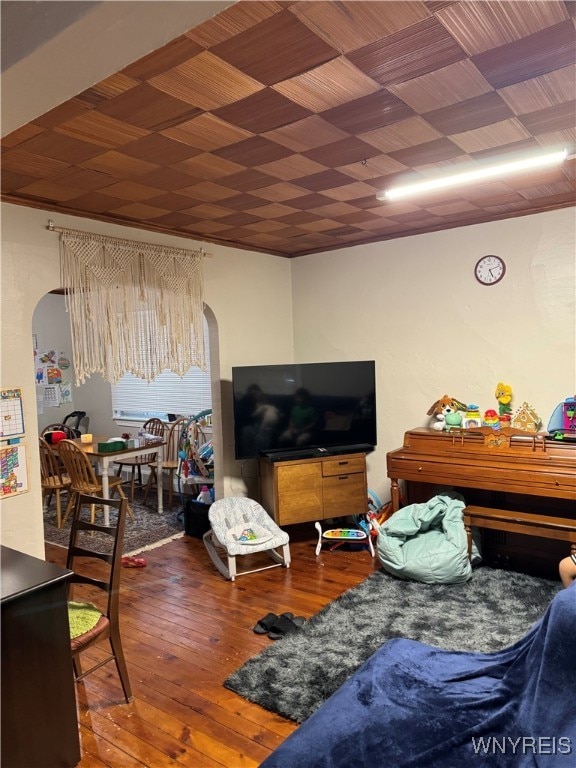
point(278, 626)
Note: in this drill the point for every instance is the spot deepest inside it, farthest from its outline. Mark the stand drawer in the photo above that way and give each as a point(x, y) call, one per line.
point(343, 466)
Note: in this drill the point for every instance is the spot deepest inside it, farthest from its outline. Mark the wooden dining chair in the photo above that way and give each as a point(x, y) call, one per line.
point(84, 479)
point(91, 623)
point(153, 427)
point(54, 480)
point(170, 462)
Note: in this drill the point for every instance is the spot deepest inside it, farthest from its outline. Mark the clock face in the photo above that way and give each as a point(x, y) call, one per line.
point(489, 270)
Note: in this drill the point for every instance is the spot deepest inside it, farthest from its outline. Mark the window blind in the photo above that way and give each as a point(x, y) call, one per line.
point(134, 399)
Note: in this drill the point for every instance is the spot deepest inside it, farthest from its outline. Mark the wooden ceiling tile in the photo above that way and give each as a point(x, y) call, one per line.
point(273, 210)
point(102, 130)
point(208, 166)
point(208, 211)
point(83, 178)
point(108, 89)
point(450, 208)
point(205, 227)
point(349, 191)
point(296, 219)
point(60, 147)
point(243, 202)
point(207, 133)
point(368, 113)
point(324, 180)
point(166, 179)
point(254, 151)
point(173, 201)
point(358, 217)
point(239, 219)
point(396, 208)
point(547, 190)
point(149, 108)
point(350, 25)
point(208, 191)
point(559, 139)
point(263, 111)
point(169, 56)
point(492, 192)
point(334, 209)
point(61, 114)
point(405, 133)
point(375, 223)
point(517, 150)
point(232, 21)
point(469, 114)
point(139, 211)
point(28, 164)
point(309, 202)
point(257, 52)
point(11, 181)
point(175, 220)
point(306, 134)
point(118, 165)
point(269, 225)
point(131, 190)
point(541, 92)
point(91, 203)
point(391, 60)
point(429, 152)
point(47, 190)
point(481, 26)
point(292, 167)
point(375, 167)
point(552, 48)
point(20, 135)
point(247, 181)
point(547, 120)
point(334, 83)
point(206, 81)
point(319, 225)
point(159, 149)
point(344, 152)
point(442, 87)
point(498, 134)
point(537, 177)
point(278, 193)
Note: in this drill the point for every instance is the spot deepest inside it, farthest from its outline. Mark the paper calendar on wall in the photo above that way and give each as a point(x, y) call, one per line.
point(11, 415)
point(13, 471)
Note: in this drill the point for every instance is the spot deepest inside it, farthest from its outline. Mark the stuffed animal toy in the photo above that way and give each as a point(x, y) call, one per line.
point(448, 413)
point(504, 396)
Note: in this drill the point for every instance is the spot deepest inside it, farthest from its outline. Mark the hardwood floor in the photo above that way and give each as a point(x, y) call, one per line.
point(185, 629)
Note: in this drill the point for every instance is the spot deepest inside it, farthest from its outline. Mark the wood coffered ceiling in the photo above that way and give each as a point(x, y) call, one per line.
point(273, 125)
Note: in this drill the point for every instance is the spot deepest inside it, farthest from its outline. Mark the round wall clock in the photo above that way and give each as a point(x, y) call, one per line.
point(489, 270)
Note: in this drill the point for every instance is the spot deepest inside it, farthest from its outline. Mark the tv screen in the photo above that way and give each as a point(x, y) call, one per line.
point(302, 407)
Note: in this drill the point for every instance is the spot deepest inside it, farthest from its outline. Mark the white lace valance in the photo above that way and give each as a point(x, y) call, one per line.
point(134, 307)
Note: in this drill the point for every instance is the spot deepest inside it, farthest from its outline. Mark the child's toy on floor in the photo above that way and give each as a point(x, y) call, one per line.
point(448, 412)
point(339, 536)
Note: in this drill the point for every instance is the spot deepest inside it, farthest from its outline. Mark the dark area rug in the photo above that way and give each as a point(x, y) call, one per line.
point(148, 530)
point(299, 672)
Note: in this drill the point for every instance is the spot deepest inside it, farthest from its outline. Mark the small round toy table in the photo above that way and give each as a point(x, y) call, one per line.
point(338, 536)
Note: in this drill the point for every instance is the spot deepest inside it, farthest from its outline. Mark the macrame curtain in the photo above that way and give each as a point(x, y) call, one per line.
point(134, 307)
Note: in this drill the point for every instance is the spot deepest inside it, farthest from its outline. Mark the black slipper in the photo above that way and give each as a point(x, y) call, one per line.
point(285, 625)
point(265, 624)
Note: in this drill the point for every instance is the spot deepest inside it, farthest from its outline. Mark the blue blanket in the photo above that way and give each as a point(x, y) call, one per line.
point(414, 706)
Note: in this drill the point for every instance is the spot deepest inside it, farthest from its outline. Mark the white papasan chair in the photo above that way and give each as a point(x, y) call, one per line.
point(231, 518)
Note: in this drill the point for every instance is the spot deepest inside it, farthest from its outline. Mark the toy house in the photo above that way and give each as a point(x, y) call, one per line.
point(526, 418)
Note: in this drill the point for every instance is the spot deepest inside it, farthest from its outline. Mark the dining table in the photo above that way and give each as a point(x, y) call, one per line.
point(104, 458)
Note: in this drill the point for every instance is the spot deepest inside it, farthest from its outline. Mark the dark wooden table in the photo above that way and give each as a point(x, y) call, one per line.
point(39, 721)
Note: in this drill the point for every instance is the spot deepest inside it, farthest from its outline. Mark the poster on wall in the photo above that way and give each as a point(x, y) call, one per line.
point(11, 414)
point(13, 472)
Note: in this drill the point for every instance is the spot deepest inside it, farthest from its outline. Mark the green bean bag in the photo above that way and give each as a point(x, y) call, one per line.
point(427, 542)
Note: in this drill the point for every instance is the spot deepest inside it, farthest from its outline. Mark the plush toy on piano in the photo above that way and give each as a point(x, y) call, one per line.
point(448, 413)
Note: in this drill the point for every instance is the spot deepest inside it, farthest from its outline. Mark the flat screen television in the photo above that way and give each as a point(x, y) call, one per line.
point(304, 409)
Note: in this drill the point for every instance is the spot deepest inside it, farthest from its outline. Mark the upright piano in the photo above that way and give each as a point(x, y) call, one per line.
point(506, 469)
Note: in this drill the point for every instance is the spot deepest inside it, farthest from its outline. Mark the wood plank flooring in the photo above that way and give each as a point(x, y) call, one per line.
point(185, 629)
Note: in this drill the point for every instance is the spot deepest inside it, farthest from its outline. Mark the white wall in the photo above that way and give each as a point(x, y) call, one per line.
point(414, 306)
point(248, 293)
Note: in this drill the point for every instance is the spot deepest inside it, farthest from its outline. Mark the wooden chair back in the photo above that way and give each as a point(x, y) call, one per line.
point(173, 440)
point(79, 468)
point(68, 431)
point(50, 467)
point(80, 560)
point(156, 428)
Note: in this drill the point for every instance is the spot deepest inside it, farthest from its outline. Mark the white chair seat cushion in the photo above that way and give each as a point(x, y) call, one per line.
point(229, 517)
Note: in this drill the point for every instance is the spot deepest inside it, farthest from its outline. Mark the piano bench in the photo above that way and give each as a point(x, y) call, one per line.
point(530, 524)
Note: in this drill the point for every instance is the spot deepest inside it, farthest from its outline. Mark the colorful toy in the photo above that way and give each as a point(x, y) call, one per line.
point(339, 536)
point(447, 411)
point(503, 394)
point(472, 418)
point(491, 419)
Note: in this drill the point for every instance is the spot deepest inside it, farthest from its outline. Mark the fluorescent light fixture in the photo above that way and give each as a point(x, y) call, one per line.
point(479, 174)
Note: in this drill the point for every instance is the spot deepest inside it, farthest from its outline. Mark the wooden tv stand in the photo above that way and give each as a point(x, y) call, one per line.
point(513, 482)
point(304, 490)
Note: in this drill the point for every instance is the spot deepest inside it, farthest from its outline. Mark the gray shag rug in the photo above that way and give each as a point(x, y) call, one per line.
point(147, 531)
point(296, 674)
